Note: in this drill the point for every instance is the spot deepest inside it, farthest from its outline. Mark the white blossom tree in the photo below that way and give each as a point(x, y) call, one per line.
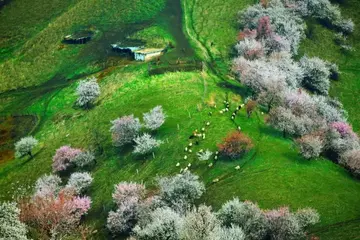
point(155, 118)
point(146, 144)
point(87, 91)
point(25, 146)
point(124, 130)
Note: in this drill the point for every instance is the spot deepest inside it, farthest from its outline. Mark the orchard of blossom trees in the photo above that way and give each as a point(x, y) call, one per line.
point(127, 130)
point(296, 92)
point(172, 214)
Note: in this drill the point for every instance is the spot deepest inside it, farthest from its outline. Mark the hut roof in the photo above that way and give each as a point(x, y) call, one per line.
point(149, 50)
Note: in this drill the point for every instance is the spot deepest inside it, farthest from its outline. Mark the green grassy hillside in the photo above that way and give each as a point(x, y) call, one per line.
point(273, 174)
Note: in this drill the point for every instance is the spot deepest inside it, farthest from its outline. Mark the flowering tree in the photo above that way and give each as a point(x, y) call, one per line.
point(181, 190)
point(351, 160)
point(228, 233)
point(235, 144)
point(10, 225)
point(199, 224)
point(63, 158)
point(87, 92)
point(250, 48)
point(54, 215)
point(165, 224)
point(124, 130)
point(84, 159)
point(145, 144)
point(25, 146)
point(155, 118)
point(316, 74)
point(342, 128)
point(311, 146)
point(247, 216)
point(129, 198)
point(47, 185)
point(264, 29)
point(79, 181)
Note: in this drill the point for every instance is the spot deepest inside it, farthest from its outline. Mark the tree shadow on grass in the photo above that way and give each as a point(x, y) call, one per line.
point(270, 131)
point(235, 88)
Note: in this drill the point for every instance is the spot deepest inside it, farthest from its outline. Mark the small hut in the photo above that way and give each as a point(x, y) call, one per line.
point(80, 37)
point(139, 53)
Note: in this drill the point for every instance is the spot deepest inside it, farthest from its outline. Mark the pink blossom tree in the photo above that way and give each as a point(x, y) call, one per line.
point(63, 158)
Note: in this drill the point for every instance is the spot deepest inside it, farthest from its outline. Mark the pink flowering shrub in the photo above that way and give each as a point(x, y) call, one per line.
point(63, 157)
point(342, 128)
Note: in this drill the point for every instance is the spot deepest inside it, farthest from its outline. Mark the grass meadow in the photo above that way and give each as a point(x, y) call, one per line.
point(273, 174)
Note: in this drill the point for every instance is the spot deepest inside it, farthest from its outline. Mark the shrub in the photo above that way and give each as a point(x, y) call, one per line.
point(307, 217)
point(79, 181)
point(63, 158)
point(346, 26)
point(250, 107)
point(351, 160)
point(199, 224)
point(84, 159)
point(10, 225)
point(246, 215)
point(121, 221)
point(165, 225)
point(311, 146)
point(47, 185)
point(54, 215)
point(25, 146)
point(341, 144)
point(155, 118)
point(231, 233)
point(329, 109)
point(235, 145)
point(181, 190)
point(205, 155)
point(87, 92)
point(124, 130)
point(146, 144)
point(316, 75)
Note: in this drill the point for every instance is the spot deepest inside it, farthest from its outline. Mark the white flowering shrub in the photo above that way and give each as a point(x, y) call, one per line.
point(316, 74)
point(10, 226)
point(205, 155)
point(79, 181)
point(87, 91)
point(155, 118)
point(124, 130)
point(84, 159)
point(145, 144)
point(180, 190)
point(47, 185)
point(25, 146)
point(351, 160)
point(165, 224)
